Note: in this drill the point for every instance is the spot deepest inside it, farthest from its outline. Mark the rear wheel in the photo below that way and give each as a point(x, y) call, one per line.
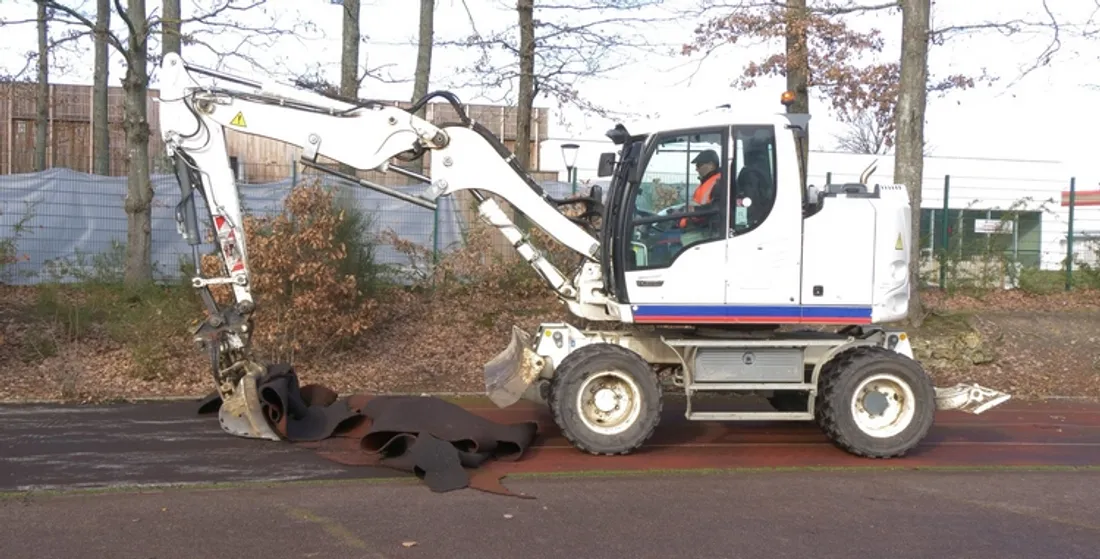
point(606, 399)
point(874, 402)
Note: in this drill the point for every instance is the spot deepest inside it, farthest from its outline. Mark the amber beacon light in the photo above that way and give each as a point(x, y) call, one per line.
point(787, 98)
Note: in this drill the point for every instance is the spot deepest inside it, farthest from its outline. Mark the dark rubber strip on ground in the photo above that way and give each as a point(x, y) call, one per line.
point(435, 440)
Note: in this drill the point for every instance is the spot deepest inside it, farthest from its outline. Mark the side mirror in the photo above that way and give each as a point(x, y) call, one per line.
point(607, 165)
point(596, 193)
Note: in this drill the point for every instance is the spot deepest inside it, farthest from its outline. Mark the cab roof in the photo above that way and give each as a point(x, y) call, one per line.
point(715, 117)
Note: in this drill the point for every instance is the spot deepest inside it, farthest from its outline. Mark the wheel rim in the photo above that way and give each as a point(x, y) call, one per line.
point(609, 402)
point(883, 405)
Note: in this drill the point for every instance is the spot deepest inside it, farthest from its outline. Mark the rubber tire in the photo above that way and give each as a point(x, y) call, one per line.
point(571, 374)
point(840, 377)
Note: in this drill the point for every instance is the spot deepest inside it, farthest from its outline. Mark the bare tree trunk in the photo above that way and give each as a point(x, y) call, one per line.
point(139, 188)
point(101, 134)
point(526, 101)
point(423, 63)
point(909, 143)
point(798, 61)
point(42, 92)
point(171, 40)
point(349, 60)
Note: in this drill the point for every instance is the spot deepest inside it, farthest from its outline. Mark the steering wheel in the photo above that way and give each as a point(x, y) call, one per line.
point(649, 228)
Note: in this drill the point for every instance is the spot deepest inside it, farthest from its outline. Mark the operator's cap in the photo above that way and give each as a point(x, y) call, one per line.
point(707, 156)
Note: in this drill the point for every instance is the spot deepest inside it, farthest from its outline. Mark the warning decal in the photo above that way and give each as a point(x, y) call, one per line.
point(897, 245)
point(239, 121)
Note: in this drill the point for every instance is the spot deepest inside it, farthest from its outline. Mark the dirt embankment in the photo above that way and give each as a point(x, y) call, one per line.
point(1032, 354)
point(70, 346)
point(54, 348)
point(1029, 345)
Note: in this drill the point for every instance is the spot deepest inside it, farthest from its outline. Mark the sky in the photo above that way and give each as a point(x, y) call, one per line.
point(1045, 116)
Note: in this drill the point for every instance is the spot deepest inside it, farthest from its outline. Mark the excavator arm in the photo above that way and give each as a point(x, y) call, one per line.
point(364, 135)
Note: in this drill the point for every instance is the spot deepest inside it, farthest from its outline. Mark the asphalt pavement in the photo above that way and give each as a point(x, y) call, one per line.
point(130, 453)
point(53, 446)
point(167, 443)
point(902, 514)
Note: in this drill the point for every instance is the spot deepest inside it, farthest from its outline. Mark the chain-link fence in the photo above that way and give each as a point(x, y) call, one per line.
point(63, 225)
point(1040, 240)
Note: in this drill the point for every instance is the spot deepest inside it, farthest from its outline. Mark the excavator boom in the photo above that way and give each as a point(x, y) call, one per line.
point(364, 135)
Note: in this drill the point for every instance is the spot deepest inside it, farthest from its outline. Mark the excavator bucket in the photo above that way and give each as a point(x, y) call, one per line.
point(969, 398)
point(241, 412)
point(512, 371)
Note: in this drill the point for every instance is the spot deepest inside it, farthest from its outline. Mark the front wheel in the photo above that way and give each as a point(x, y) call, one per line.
point(606, 399)
point(874, 402)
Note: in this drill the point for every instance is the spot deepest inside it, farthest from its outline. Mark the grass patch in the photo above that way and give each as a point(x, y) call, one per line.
point(152, 322)
point(944, 322)
point(1043, 282)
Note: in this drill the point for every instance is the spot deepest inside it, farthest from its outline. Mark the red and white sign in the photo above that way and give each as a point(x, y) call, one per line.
point(1082, 198)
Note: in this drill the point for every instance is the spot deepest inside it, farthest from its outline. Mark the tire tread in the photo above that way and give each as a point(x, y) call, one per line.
point(569, 369)
point(828, 410)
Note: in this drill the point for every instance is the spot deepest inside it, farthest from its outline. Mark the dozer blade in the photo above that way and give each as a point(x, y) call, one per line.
point(241, 412)
point(512, 371)
point(969, 398)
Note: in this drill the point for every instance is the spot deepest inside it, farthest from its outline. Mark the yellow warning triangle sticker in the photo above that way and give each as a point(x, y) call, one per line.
point(897, 245)
point(239, 121)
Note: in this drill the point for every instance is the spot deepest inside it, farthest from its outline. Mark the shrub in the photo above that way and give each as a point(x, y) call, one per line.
point(9, 254)
point(313, 275)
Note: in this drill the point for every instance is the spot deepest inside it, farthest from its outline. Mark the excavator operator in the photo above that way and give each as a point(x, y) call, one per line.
point(708, 165)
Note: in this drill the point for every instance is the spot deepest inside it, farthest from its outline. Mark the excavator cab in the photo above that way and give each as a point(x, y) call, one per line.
point(736, 257)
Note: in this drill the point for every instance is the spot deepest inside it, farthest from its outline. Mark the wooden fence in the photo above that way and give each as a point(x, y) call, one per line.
point(70, 133)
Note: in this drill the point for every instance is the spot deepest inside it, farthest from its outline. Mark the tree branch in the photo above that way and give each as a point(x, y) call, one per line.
point(83, 20)
point(125, 19)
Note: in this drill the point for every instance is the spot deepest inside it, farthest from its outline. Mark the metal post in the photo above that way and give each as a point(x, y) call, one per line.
point(293, 174)
point(943, 231)
point(687, 177)
point(932, 237)
point(1069, 237)
point(435, 236)
point(573, 174)
point(828, 178)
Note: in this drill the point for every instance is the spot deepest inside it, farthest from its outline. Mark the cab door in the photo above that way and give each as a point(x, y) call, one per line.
point(675, 250)
point(765, 247)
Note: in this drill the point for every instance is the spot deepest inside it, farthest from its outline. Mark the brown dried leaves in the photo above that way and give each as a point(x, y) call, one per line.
point(306, 303)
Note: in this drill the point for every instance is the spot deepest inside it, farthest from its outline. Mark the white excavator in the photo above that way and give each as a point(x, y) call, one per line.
point(704, 284)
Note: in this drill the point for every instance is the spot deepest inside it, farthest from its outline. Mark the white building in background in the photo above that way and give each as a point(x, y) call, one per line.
point(979, 189)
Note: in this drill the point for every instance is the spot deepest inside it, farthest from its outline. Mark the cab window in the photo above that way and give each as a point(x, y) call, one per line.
point(754, 181)
point(681, 200)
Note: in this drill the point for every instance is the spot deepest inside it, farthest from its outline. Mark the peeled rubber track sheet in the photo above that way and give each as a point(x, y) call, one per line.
point(436, 440)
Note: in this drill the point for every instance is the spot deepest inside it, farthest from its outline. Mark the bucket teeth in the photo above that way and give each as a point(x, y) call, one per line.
point(242, 412)
point(969, 398)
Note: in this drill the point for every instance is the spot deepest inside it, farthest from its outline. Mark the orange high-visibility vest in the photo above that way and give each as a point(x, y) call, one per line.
point(702, 195)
